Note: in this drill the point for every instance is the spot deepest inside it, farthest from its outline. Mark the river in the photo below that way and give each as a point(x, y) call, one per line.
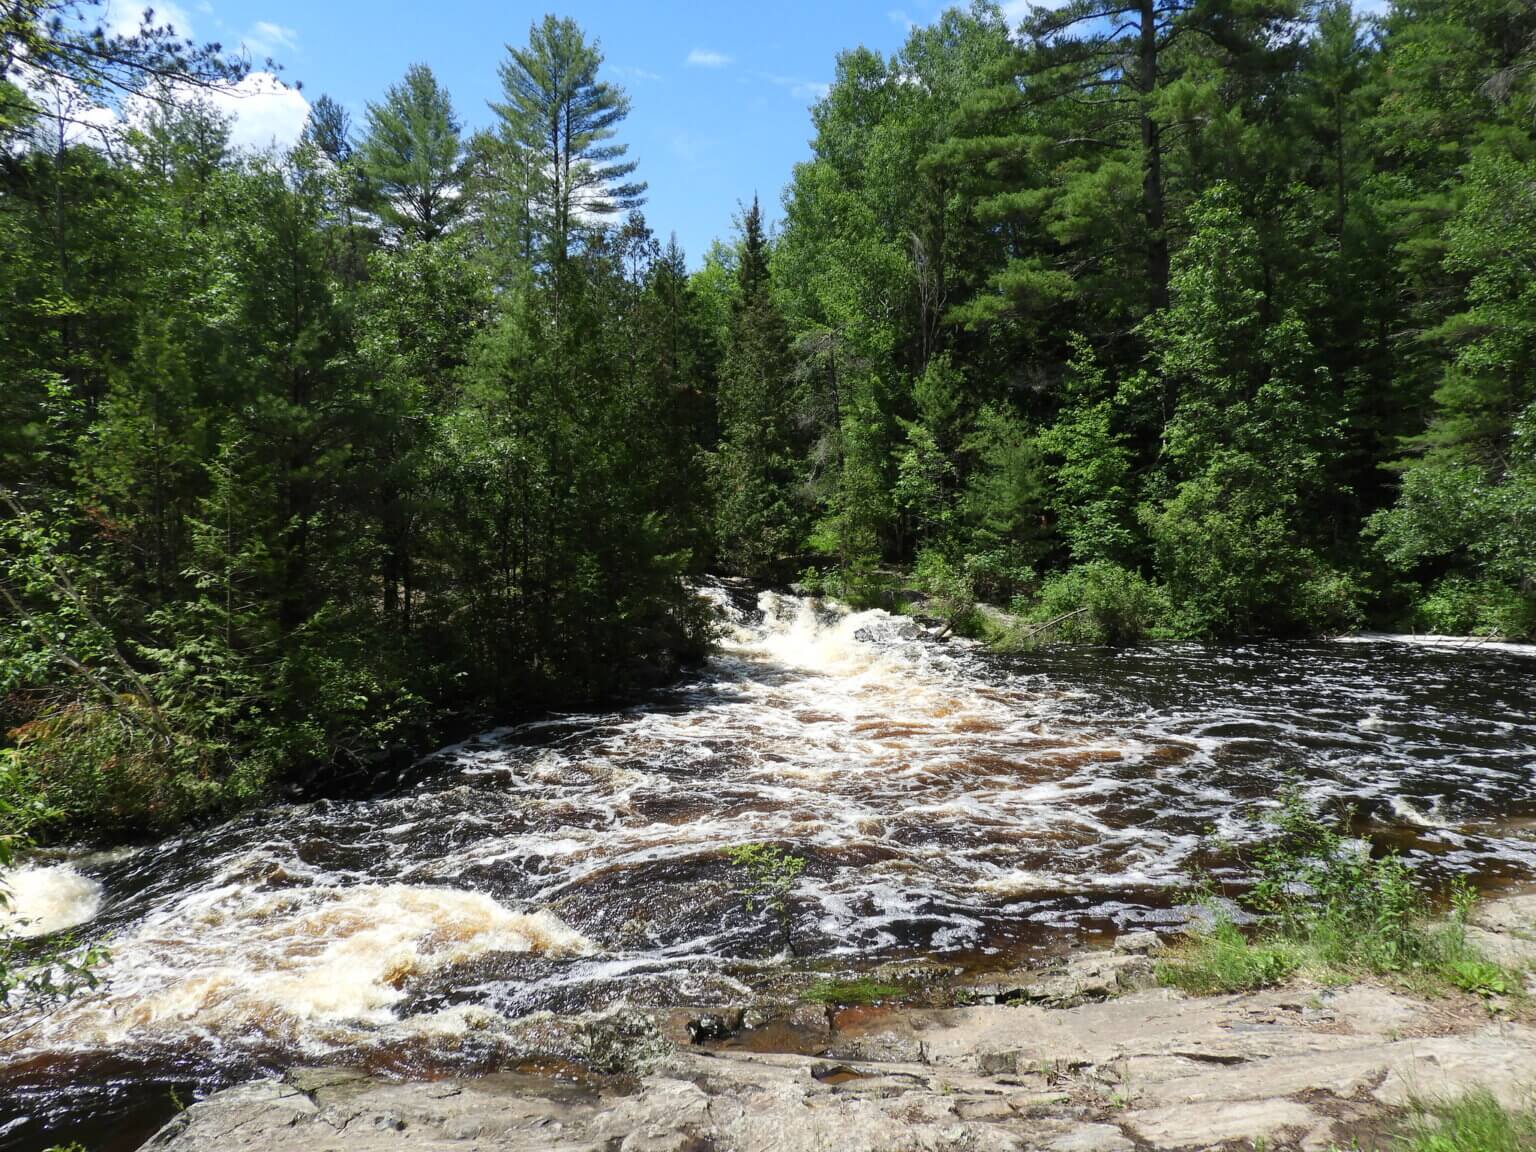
point(948, 802)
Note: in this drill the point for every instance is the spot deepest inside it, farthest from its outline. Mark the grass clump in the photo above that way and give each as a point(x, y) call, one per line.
point(847, 993)
point(1221, 959)
point(1475, 1122)
point(1324, 904)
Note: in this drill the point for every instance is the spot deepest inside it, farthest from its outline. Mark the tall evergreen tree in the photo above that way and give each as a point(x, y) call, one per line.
point(758, 522)
point(413, 155)
point(558, 113)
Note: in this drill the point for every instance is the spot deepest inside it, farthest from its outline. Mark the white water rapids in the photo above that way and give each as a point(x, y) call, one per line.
point(946, 801)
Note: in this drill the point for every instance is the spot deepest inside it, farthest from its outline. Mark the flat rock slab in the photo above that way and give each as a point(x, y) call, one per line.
point(1144, 1070)
point(1202, 1125)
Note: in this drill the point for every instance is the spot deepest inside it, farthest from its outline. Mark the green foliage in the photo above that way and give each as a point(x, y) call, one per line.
point(847, 993)
point(1097, 603)
point(952, 595)
point(1328, 905)
point(1460, 606)
point(768, 877)
point(305, 454)
point(758, 523)
point(412, 156)
point(559, 121)
point(1207, 328)
point(1222, 959)
point(1171, 297)
point(1474, 1122)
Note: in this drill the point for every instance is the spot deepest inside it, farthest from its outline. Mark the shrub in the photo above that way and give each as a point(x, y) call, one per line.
point(998, 574)
point(768, 876)
point(1097, 603)
point(1222, 959)
point(1328, 601)
point(1458, 606)
point(952, 596)
point(1324, 903)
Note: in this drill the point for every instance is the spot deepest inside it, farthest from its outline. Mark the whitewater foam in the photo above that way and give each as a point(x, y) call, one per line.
point(40, 900)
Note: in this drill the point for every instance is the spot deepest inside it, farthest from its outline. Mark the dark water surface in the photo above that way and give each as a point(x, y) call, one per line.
point(947, 802)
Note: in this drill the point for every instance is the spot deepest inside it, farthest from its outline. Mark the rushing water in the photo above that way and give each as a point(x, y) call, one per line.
point(947, 802)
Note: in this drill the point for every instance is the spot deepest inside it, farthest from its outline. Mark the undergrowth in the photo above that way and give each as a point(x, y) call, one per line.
point(1325, 905)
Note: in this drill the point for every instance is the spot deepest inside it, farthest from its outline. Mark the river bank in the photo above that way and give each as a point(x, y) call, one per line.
point(950, 809)
point(1087, 1056)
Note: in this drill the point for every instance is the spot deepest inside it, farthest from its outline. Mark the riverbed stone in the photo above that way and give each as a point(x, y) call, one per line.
point(1204, 1125)
point(1150, 1070)
point(1138, 943)
point(1089, 1138)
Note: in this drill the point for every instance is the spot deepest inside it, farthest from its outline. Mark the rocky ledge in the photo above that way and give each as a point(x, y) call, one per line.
point(1145, 1068)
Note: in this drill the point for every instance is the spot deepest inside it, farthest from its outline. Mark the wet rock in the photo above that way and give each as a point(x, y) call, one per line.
point(756, 1016)
point(988, 1108)
point(266, 1104)
point(809, 1019)
point(998, 1063)
point(889, 1046)
point(312, 1080)
point(1095, 976)
point(622, 1040)
point(715, 1025)
point(1294, 1068)
point(920, 972)
point(1137, 943)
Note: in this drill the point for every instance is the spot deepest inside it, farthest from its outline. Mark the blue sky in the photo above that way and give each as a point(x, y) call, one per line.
point(720, 91)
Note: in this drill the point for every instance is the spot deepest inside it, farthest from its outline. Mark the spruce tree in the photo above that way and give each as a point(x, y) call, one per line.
point(757, 522)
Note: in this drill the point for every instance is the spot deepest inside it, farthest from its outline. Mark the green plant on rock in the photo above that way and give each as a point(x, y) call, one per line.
point(851, 992)
point(1474, 1122)
point(768, 875)
point(1325, 903)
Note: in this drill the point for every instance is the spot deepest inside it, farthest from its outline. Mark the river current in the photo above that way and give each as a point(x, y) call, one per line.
point(947, 802)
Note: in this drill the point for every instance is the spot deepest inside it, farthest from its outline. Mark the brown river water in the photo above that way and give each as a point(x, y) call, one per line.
point(948, 803)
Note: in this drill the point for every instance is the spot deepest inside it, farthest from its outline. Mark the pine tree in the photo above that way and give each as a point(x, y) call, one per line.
point(557, 113)
point(413, 156)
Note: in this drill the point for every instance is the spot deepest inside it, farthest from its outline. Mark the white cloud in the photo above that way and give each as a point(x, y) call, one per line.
point(265, 111)
point(704, 58)
point(899, 17)
point(67, 110)
point(125, 17)
point(268, 39)
point(693, 151)
point(807, 90)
